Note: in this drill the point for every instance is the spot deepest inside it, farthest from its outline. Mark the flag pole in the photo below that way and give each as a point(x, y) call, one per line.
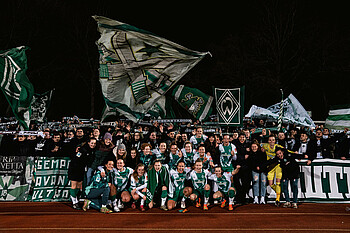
point(280, 115)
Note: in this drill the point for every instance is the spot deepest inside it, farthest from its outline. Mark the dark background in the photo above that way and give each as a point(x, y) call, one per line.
point(301, 46)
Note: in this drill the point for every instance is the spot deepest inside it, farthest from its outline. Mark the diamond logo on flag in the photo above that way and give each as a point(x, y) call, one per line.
point(229, 105)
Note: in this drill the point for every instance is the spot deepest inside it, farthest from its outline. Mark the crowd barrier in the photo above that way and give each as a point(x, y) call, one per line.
point(46, 179)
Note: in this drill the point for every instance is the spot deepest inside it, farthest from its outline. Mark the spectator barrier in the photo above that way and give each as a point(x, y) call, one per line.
point(46, 179)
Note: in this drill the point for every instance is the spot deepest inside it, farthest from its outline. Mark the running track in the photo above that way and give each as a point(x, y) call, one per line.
point(60, 217)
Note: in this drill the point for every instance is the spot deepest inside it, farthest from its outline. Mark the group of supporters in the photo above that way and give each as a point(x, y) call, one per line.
point(164, 166)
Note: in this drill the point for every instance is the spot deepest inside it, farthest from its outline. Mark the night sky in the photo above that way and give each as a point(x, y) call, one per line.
point(301, 46)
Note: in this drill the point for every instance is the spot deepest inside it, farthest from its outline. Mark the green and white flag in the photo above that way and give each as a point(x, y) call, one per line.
point(230, 105)
point(293, 112)
point(137, 67)
point(15, 84)
point(338, 117)
point(197, 103)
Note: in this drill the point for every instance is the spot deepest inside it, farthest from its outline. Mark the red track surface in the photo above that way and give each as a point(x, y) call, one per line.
point(60, 217)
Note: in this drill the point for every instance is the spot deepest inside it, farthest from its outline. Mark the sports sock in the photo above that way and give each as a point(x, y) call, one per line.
point(278, 191)
point(231, 196)
point(114, 200)
point(142, 202)
point(206, 196)
point(73, 195)
point(163, 197)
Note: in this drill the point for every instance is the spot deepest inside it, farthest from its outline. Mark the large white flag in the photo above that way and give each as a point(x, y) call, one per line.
point(293, 112)
point(138, 67)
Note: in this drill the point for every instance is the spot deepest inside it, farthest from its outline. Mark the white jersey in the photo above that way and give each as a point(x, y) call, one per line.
point(221, 184)
point(197, 141)
point(121, 178)
point(199, 179)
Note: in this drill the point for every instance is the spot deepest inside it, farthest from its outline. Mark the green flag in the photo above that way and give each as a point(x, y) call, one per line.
point(230, 105)
point(15, 84)
point(137, 67)
point(194, 101)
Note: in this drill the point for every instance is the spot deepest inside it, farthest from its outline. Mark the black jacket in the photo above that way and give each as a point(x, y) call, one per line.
point(310, 148)
point(290, 167)
point(257, 159)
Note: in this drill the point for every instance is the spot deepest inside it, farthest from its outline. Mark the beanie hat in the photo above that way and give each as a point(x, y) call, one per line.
point(107, 135)
point(121, 146)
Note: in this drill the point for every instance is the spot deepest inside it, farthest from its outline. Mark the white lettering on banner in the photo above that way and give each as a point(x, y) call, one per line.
point(333, 183)
point(61, 180)
point(46, 180)
point(308, 182)
point(38, 194)
point(53, 180)
point(47, 165)
point(37, 181)
point(347, 175)
point(39, 164)
point(55, 163)
point(48, 192)
point(51, 164)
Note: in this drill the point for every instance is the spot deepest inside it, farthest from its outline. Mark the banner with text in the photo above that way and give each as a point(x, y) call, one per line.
point(51, 181)
point(324, 181)
point(15, 177)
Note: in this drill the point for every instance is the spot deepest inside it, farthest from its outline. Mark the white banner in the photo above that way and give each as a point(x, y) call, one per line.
point(325, 180)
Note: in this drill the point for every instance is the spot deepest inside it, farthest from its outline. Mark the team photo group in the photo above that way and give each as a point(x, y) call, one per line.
point(165, 167)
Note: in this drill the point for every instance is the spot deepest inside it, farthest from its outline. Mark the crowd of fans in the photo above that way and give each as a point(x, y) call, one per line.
point(169, 165)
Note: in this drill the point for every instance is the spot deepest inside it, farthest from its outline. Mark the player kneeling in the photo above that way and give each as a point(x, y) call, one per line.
point(98, 191)
point(138, 186)
point(222, 187)
point(201, 188)
point(177, 190)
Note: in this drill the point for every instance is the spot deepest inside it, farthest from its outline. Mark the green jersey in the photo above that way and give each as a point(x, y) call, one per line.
point(173, 160)
point(98, 182)
point(226, 156)
point(121, 178)
point(160, 156)
point(221, 184)
point(146, 159)
point(177, 183)
point(187, 157)
point(199, 179)
point(206, 159)
point(140, 184)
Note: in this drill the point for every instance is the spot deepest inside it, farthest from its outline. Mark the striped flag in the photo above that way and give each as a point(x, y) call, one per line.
point(138, 67)
point(338, 117)
point(15, 84)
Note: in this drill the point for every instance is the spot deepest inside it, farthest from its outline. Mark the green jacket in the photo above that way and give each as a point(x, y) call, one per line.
point(153, 185)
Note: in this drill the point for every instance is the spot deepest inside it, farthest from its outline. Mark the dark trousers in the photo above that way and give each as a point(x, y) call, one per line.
point(98, 197)
point(242, 182)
